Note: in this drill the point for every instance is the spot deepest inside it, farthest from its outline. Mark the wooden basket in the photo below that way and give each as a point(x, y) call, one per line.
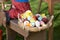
point(36, 29)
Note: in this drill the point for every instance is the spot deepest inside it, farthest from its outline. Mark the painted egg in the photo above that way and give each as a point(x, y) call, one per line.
point(37, 24)
point(26, 22)
point(32, 20)
point(42, 23)
point(45, 20)
point(28, 13)
point(33, 24)
point(36, 18)
point(40, 18)
point(37, 15)
point(29, 18)
point(28, 25)
point(42, 15)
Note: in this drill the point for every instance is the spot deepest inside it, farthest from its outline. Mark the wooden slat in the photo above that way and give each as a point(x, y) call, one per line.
point(10, 34)
point(14, 26)
point(1, 17)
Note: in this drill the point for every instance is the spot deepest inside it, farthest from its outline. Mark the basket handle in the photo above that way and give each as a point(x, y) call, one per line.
point(50, 7)
point(39, 6)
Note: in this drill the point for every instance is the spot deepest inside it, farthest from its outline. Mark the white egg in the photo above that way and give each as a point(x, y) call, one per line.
point(37, 24)
point(25, 22)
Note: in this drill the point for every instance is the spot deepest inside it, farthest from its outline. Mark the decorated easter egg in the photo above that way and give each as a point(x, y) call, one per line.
point(45, 20)
point(29, 18)
point(37, 15)
point(33, 24)
point(34, 17)
point(43, 16)
point(28, 13)
point(40, 18)
point(28, 25)
point(32, 20)
point(42, 23)
point(26, 22)
point(24, 16)
point(37, 24)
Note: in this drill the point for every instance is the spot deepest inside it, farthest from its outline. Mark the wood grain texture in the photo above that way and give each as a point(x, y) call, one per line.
point(37, 36)
point(10, 34)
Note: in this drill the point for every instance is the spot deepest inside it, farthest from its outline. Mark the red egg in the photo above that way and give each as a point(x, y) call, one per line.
point(45, 20)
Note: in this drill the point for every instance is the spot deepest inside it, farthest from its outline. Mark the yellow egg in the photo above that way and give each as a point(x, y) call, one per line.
point(27, 16)
point(43, 15)
point(28, 13)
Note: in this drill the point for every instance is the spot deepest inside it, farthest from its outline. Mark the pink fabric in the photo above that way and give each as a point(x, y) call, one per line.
point(19, 7)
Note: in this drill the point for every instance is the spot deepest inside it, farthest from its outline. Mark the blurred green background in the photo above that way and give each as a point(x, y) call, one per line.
point(44, 9)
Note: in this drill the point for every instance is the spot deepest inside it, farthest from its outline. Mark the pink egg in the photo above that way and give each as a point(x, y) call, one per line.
point(41, 22)
point(37, 14)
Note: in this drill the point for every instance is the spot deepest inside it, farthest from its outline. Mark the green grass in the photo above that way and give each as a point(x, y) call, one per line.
point(44, 9)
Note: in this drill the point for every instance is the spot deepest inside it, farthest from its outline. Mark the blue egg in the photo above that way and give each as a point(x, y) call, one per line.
point(33, 24)
point(40, 18)
point(29, 18)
